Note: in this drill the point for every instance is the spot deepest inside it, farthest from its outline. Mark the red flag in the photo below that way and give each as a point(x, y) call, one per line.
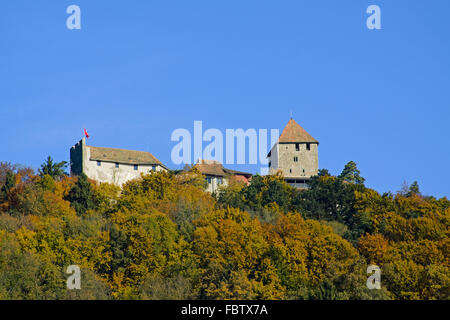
point(85, 133)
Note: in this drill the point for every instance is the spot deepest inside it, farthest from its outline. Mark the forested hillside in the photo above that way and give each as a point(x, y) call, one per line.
point(163, 237)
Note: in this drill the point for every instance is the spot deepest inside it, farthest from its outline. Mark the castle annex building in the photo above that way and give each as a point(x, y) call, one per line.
point(295, 155)
point(217, 175)
point(111, 165)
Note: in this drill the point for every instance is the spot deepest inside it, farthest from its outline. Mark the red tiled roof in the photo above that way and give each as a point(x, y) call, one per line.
point(293, 132)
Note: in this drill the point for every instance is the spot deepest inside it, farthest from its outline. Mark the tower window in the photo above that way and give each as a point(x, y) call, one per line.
point(270, 164)
point(99, 163)
point(297, 147)
point(135, 167)
point(308, 146)
point(295, 159)
point(117, 165)
point(290, 170)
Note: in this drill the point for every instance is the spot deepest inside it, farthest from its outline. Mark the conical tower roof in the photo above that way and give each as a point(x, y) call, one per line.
point(294, 133)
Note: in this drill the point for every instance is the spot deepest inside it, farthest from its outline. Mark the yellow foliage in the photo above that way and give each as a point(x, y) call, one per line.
point(375, 248)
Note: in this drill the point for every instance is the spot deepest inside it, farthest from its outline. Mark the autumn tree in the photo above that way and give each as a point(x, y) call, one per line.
point(161, 236)
point(232, 258)
point(25, 275)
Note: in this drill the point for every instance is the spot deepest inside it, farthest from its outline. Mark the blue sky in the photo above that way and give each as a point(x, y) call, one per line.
point(137, 70)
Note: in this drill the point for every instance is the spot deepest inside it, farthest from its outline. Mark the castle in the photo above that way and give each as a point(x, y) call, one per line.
point(111, 165)
point(294, 155)
point(217, 175)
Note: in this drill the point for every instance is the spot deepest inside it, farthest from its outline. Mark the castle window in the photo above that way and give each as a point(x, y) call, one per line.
point(135, 167)
point(290, 170)
point(99, 163)
point(117, 165)
point(270, 164)
point(308, 146)
point(297, 147)
point(295, 159)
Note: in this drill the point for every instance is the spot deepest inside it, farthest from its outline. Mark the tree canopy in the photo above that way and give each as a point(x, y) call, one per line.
point(162, 236)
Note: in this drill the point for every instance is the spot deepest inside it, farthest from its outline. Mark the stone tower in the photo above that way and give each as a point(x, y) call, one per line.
point(295, 155)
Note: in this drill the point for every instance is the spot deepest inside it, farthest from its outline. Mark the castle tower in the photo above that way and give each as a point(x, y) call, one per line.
point(295, 155)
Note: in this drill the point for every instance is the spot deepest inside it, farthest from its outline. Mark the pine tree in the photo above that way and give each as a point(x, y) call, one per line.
point(351, 174)
point(10, 182)
point(324, 173)
point(81, 196)
point(413, 189)
point(55, 170)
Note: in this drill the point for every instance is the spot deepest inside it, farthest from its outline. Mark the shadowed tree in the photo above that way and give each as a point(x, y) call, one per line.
point(10, 182)
point(81, 196)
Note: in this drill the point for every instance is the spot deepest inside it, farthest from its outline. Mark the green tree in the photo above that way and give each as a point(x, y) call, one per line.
point(413, 189)
point(81, 196)
point(327, 198)
point(55, 170)
point(261, 193)
point(156, 287)
point(10, 182)
point(324, 173)
point(351, 174)
point(24, 275)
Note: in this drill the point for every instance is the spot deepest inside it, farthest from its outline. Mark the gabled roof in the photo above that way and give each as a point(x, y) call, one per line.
point(238, 173)
point(293, 132)
point(123, 156)
point(214, 168)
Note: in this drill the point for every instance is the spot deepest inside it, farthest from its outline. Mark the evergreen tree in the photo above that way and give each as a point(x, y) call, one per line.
point(81, 196)
point(10, 182)
point(327, 198)
point(55, 170)
point(413, 189)
point(324, 173)
point(351, 174)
